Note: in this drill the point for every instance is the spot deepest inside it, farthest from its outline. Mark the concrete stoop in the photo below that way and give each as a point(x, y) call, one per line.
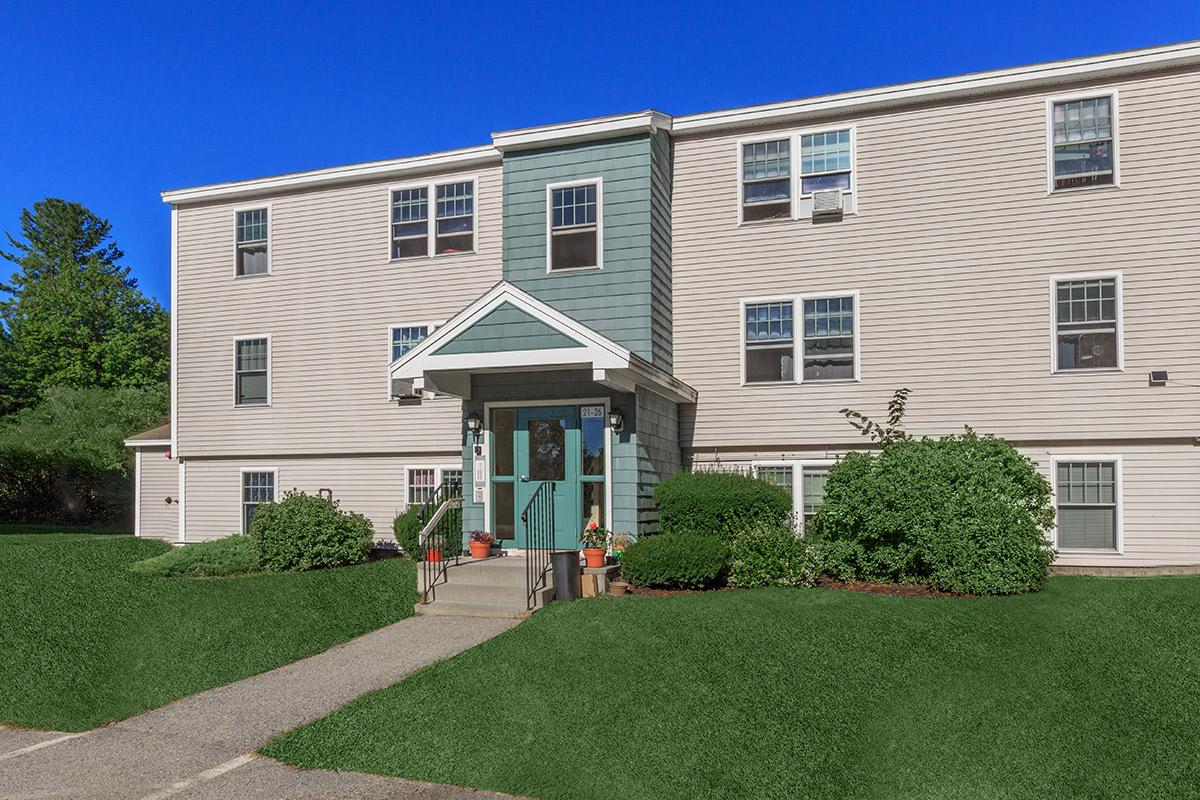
point(484, 587)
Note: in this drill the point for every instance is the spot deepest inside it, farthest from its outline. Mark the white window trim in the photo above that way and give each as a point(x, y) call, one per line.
point(793, 137)
point(241, 491)
point(431, 232)
point(1120, 498)
point(797, 466)
point(392, 327)
point(1116, 139)
point(797, 302)
point(270, 370)
point(550, 187)
point(1087, 276)
point(270, 240)
point(438, 470)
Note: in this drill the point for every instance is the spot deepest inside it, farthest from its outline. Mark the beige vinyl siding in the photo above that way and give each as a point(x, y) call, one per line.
point(327, 305)
point(1158, 509)
point(371, 485)
point(952, 251)
point(158, 478)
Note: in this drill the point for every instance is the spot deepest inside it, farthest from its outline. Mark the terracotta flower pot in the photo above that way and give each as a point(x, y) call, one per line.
point(617, 588)
point(593, 557)
point(433, 555)
point(480, 549)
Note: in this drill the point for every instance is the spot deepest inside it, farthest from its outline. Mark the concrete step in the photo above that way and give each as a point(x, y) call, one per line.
point(448, 608)
point(481, 593)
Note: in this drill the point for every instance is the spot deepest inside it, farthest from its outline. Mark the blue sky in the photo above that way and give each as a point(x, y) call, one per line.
point(108, 104)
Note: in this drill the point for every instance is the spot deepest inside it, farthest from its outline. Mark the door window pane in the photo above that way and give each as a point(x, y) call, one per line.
point(592, 439)
point(547, 449)
point(502, 441)
point(593, 503)
point(502, 511)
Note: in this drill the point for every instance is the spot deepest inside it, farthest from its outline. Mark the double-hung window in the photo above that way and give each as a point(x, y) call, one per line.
point(252, 382)
point(422, 482)
point(253, 248)
point(807, 494)
point(770, 345)
point(829, 339)
point(406, 337)
point(1087, 321)
point(1083, 142)
point(575, 238)
point(1088, 496)
point(257, 487)
point(825, 162)
point(767, 180)
point(453, 228)
point(812, 490)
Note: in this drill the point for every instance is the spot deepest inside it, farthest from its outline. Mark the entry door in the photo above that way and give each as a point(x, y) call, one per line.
point(548, 451)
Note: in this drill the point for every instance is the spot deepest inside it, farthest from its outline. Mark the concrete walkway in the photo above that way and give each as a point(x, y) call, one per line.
point(202, 746)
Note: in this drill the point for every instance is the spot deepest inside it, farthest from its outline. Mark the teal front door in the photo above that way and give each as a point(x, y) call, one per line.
point(547, 450)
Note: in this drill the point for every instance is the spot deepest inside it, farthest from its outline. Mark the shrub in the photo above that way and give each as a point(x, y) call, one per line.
point(959, 513)
point(716, 503)
point(676, 562)
point(407, 529)
point(303, 531)
point(232, 555)
point(768, 552)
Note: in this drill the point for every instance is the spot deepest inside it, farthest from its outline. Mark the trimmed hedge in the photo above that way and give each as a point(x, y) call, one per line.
point(407, 529)
point(676, 562)
point(231, 555)
point(960, 513)
point(303, 531)
point(767, 552)
point(716, 503)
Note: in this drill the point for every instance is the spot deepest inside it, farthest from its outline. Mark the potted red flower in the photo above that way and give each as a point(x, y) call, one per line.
point(595, 541)
point(481, 544)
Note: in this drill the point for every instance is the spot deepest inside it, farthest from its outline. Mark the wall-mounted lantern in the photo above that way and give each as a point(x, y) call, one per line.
point(616, 420)
point(475, 425)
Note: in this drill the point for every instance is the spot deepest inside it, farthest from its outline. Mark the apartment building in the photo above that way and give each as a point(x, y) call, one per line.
point(597, 304)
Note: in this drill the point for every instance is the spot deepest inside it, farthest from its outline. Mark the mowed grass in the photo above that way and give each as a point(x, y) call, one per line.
point(84, 641)
point(1088, 689)
point(232, 555)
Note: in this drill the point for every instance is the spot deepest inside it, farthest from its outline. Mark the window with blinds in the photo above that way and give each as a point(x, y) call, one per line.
point(252, 242)
point(251, 367)
point(1086, 493)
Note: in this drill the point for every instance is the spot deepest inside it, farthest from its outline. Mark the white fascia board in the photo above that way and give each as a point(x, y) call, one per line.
point(148, 442)
point(584, 130)
point(597, 349)
point(1077, 69)
point(372, 170)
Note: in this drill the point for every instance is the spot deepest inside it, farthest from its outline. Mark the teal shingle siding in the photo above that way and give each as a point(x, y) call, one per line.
point(658, 455)
point(629, 299)
point(506, 328)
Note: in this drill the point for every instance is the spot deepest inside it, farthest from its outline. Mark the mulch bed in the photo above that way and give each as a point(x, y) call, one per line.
point(890, 589)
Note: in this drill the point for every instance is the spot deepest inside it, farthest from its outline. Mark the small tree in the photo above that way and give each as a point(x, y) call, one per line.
point(883, 436)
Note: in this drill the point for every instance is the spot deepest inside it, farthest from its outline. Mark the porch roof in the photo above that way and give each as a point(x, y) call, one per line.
point(509, 330)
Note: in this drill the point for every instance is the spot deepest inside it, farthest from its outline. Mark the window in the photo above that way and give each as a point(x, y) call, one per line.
point(575, 240)
point(780, 476)
point(812, 490)
point(829, 339)
point(770, 346)
point(257, 487)
point(766, 180)
point(453, 230)
point(251, 367)
point(825, 161)
point(1087, 497)
point(410, 222)
point(405, 338)
point(422, 482)
point(455, 218)
point(253, 257)
point(1083, 142)
point(1086, 323)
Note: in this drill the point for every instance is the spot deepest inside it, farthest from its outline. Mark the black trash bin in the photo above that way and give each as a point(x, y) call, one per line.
point(566, 574)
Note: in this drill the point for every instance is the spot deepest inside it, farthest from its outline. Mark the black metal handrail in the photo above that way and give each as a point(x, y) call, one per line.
point(538, 519)
point(441, 535)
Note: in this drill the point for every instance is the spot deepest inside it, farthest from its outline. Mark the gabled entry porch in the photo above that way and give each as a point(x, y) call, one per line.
point(561, 425)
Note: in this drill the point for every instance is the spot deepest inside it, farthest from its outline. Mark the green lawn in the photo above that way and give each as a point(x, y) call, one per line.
point(1088, 689)
point(84, 641)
